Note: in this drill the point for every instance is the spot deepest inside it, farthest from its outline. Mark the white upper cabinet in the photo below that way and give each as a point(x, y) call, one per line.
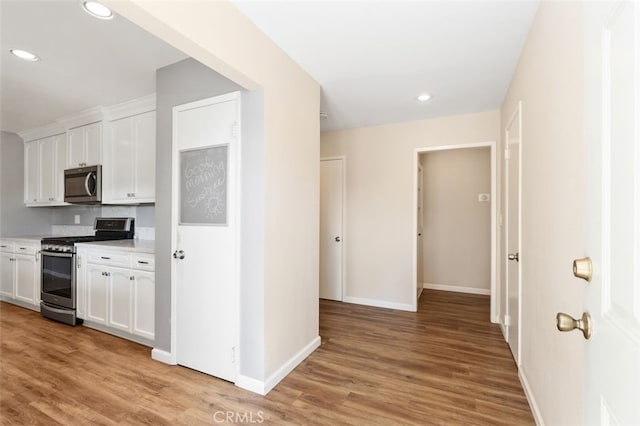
point(129, 171)
point(31, 172)
point(85, 145)
point(45, 161)
point(121, 138)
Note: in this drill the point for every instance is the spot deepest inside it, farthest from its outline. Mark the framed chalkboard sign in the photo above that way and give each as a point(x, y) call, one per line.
point(203, 186)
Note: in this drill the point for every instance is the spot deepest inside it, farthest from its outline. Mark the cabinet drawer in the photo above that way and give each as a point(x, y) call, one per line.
point(28, 248)
point(6, 245)
point(145, 262)
point(110, 258)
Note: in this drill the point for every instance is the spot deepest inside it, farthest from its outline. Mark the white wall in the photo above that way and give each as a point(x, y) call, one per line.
point(216, 34)
point(457, 228)
point(379, 192)
point(549, 81)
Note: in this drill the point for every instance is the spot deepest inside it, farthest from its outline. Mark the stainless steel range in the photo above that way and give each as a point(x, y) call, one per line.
point(59, 266)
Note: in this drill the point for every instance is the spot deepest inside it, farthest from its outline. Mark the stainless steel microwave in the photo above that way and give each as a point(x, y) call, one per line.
point(83, 185)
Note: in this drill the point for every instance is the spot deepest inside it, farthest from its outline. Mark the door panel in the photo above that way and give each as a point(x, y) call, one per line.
point(120, 286)
point(7, 273)
point(97, 289)
point(612, 132)
point(512, 233)
point(331, 210)
point(205, 223)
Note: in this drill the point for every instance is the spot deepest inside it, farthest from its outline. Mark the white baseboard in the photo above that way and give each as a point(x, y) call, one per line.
point(457, 289)
point(504, 331)
point(379, 303)
point(163, 356)
point(265, 387)
point(537, 416)
point(250, 384)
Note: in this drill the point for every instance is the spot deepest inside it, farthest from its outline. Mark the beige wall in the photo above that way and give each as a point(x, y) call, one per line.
point(549, 81)
point(457, 228)
point(219, 36)
point(379, 236)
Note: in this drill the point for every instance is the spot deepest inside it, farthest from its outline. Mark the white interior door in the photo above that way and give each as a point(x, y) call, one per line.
point(205, 234)
point(612, 100)
point(512, 232)
point(331, 212)
point(419, 237)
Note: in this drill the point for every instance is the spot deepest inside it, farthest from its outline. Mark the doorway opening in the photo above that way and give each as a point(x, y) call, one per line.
point(455, 207)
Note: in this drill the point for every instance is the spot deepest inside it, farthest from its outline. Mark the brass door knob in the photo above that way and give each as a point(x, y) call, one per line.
point(566, 322)
point(514, 256)
point(583, 268)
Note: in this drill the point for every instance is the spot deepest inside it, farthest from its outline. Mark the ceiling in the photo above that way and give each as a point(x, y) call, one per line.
point(373, 58)
point(85, 62)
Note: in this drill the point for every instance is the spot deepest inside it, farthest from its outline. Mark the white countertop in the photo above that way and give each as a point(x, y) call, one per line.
point(138, 246)
point(28, 237)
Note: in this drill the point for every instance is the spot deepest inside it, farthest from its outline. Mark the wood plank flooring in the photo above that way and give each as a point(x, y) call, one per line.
point(445, 365)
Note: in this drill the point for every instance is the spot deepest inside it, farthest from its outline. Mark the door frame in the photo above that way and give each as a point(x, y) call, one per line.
point(175, 163)
point(492, 145)
point(517, 113)
point(345, 240)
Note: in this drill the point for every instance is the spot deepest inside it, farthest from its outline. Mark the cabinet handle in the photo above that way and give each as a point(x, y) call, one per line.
point(131, 278)
point(3, 246)
point(144, 262)
point(22, 248)
point(105, 257)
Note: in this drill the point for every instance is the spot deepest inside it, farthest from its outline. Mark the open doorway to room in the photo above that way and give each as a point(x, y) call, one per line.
point(455, 246)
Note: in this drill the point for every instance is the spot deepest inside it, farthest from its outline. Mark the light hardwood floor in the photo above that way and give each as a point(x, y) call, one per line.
point(445, 365)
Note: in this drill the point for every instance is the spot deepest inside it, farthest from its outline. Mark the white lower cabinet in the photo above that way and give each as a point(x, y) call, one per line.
point(116, 289)
point(144, 296)
point(97, 291)
point(20, 272)
point(7, 274)
point(120, 289)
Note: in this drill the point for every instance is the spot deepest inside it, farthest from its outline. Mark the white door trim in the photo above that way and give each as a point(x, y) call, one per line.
point(416, 158)
point(171, 356)
point(345, 240)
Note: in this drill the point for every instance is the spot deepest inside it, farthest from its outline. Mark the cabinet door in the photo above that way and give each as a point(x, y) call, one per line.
point(145, 157)
point(75, 147)
point(31, 172)
point(97, 293)
point(60, 163)
point(119, 161)
point(47, 165)
point(144, 304)
point(93, 140)
point(7, 274)
point(120, 283)
point(25, 278)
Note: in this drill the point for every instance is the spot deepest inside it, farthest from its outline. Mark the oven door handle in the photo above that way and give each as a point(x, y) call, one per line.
point(48, 253)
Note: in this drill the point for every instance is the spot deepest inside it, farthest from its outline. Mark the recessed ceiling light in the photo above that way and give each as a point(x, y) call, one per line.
point(98, 10)
point(23, 54)
point(424, 97)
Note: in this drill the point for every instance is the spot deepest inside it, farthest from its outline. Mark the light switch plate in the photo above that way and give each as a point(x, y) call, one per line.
point(76, 219)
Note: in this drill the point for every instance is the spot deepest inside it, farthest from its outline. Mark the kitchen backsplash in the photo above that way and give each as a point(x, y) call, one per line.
point(64, 219)
point(142, 233)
